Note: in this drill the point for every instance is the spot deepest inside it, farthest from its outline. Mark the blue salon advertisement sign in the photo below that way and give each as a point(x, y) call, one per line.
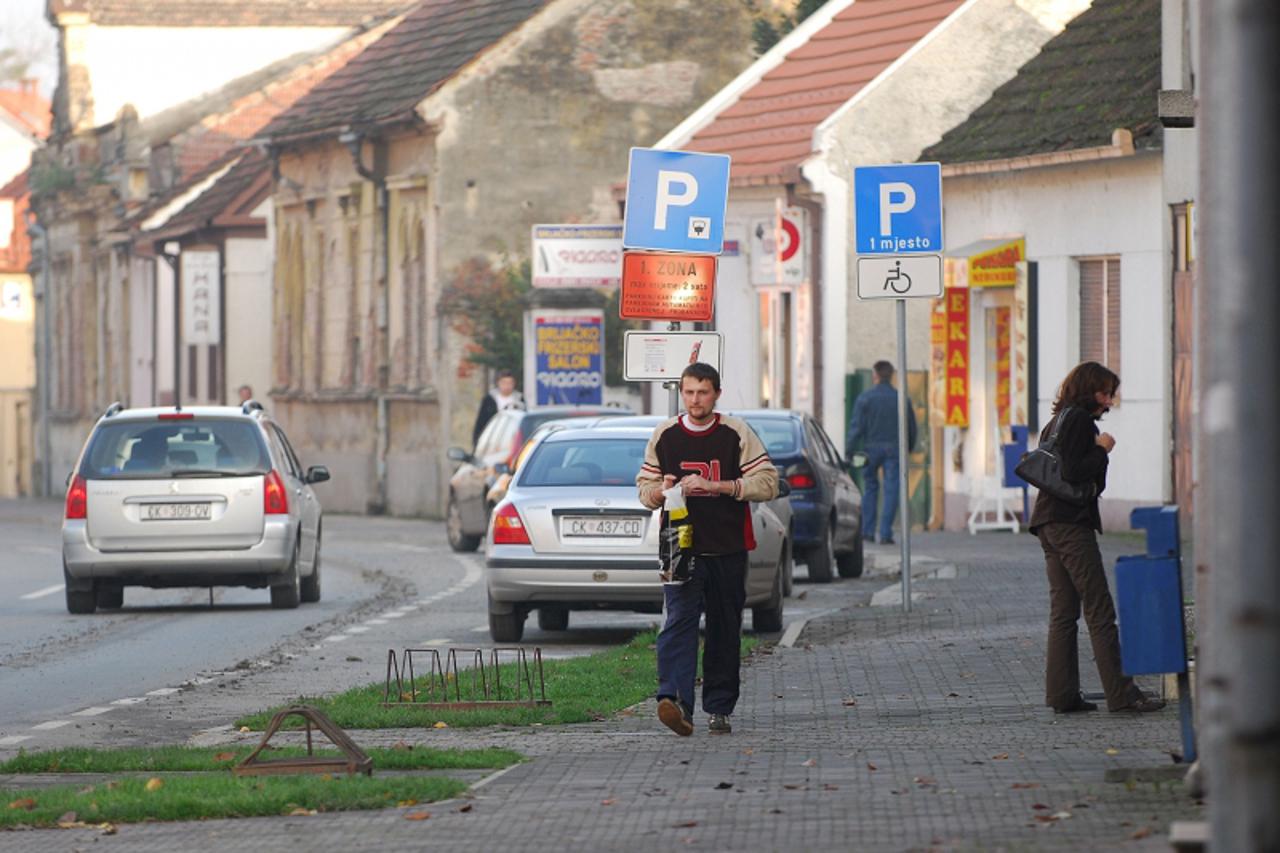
point(568, 357)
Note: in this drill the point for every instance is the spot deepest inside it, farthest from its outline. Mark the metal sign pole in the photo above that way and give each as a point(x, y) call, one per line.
point(904, 499)
point(673, 387)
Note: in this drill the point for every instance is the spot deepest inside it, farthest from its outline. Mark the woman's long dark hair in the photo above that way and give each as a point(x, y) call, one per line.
point(1085, 380)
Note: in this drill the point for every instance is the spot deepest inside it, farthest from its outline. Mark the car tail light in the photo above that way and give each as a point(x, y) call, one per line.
point(77, 498)
point(175, 416)
point(801, 477)
point(508, 529)
point(275, 500)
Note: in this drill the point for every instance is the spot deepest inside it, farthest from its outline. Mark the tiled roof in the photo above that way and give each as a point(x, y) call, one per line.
point(385, 82)
point(227, 202)
point(230, 13)
point(769, 130)
point(16, 257)
point(27, 108)
point(1100, 73)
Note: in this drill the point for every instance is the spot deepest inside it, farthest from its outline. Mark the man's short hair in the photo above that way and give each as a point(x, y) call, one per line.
point(503, 374)
point(701, 370)
point(883, 369)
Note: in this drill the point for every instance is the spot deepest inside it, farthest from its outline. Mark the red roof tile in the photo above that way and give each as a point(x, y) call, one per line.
point(25, 106)
point(385, 82)
point(769, 130)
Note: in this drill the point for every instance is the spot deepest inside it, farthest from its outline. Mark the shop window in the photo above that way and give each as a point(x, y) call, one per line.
point(1100, 311)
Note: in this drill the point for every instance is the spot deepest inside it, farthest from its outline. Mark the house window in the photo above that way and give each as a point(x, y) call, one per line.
point(1100, 311)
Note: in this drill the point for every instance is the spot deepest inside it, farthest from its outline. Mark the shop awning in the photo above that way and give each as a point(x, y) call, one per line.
point(986, 263)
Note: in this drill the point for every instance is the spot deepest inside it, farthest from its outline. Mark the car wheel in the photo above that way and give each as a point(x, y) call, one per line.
point(507, 627)
point(79, 600)
point(458, 540)
point(821, 560)
point(109, 596)
point(767, 618)
point(288, 595)
point(553, 618)
point(311, 583)
point(850, 564)
point(789, 564)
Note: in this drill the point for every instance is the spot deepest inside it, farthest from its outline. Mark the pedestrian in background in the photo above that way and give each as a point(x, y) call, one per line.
point(503, 395)
point(720, 465)
point(245, 393)
point(874, 428)
point(1068, 536)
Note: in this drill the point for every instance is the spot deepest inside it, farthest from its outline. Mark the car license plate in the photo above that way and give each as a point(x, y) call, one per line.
point(606, 527)
point(177, 512)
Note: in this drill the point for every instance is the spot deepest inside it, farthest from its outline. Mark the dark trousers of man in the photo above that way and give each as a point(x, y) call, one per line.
point(719, 585)
point(1077, 579)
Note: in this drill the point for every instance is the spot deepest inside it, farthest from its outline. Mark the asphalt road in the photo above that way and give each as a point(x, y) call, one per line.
point(170, 663)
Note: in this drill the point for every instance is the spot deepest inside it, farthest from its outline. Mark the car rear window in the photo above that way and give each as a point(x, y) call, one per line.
point(160, 449)
point(533, 420)
point(780, 436)
point(584, 462)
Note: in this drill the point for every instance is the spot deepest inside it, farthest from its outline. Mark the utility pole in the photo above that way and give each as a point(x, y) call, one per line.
point(1238, 420)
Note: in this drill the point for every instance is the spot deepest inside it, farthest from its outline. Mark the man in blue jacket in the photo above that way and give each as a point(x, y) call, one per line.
point(875, 427)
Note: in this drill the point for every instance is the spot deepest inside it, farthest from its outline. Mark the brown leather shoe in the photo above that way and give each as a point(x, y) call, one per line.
point(674, 717)
point(1080, 704)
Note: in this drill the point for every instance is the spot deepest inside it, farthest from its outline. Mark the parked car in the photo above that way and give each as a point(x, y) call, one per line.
point(200, 496)
point(467, 512)
point(573, 535)
point(826, 504)
point(505, 473)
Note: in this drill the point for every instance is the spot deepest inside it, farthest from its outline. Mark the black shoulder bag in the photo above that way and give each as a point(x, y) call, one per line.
point(1042, 468)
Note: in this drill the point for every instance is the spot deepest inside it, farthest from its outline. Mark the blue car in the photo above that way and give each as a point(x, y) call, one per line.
point(826, 505)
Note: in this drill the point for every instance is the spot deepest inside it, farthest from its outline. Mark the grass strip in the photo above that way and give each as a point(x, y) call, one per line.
point(581, 689)
point(217, 795)
point(187, 758)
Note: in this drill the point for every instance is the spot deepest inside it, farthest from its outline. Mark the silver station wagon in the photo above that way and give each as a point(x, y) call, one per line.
point(571, 534)
point(191, 497)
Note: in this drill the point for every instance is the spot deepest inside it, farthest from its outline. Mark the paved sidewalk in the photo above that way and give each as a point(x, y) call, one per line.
point(879, 731)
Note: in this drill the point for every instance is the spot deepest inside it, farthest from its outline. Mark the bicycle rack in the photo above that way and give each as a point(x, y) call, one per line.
point(441, 687)
point(355, 761)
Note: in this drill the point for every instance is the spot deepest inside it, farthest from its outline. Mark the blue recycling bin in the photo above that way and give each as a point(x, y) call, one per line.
point(1153, 637)
point(1011, 456)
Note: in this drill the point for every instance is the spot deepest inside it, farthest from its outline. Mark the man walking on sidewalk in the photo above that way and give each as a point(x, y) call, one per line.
point(720, 465)
point(875, 424)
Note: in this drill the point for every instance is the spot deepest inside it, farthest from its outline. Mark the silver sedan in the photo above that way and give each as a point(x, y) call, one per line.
point(573, 535)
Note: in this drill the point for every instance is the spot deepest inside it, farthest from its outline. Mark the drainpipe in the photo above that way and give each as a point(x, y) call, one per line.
point(42, 357)
point(382, 274)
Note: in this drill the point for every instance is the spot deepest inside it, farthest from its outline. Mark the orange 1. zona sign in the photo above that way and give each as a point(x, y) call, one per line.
point(667, 287)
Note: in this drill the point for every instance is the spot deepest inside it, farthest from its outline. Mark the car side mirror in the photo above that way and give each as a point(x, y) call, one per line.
point(784, 488)
point(317, 474)
point(501, 468)
point(457, 454)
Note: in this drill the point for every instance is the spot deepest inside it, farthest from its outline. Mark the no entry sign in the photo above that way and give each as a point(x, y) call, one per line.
point(678, 288)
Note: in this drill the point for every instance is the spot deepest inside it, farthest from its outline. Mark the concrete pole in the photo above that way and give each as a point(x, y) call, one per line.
point(1239, 417)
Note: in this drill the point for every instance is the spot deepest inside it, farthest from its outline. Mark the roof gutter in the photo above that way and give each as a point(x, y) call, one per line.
point(1121, 146)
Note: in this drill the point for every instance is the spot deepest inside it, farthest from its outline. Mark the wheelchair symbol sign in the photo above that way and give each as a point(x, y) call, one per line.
point(902, 277)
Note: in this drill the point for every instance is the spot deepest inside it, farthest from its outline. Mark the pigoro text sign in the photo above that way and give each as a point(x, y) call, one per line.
point(568, 357)
point(576, 255)
point(678, 288)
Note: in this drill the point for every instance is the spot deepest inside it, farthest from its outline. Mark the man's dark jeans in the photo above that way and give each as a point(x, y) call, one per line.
point(879, 456)
point(718, 585)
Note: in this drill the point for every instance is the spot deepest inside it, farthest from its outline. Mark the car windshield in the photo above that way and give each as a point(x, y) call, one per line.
point(585, 462)
point(160, 449)
point(780, 436)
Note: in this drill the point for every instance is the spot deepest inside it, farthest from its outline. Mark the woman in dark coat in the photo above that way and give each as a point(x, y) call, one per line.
point(1068, 535)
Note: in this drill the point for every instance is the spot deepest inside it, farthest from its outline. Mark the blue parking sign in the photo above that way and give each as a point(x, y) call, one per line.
point(676, 201)
point(898, 209)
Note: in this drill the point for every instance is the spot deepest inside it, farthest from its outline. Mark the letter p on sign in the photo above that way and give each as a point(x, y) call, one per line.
point(895, 197)
point(667, 179)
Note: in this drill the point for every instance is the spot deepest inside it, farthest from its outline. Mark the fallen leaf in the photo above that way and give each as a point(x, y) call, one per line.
point(748, 751)
point(26, 804)
point(1141, 832)
point(849, 702)
point(301, 812)
point(608, 802)
point(812, 762)
point(925, 780)
point(244, 730)
point(724, 786)
point(1040, 806)
point(1046, 818)
point(1018, 785)
point(684, 824)
point(465, 809)
point(68, 819)
point(417, 815)
point(830, 787)
point(224, 756)
point(441, 725)
point(1112, 751)
point(107, 828)
point(406, 803)
point(1001, 757)
point(872, 767)
point(401, 746)
point(155, 783)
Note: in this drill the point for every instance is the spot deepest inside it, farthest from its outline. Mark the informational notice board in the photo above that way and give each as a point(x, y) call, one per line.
point(564, 356)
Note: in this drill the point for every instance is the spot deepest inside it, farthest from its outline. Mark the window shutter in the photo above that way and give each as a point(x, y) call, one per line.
point(1093, 338)
point(1113, 315)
